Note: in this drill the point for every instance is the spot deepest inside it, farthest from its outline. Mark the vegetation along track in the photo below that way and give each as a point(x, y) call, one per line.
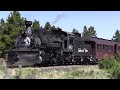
point(65, 68)
point(62, 68)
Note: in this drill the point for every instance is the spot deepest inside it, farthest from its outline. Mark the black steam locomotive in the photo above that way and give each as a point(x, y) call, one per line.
point(53, 46)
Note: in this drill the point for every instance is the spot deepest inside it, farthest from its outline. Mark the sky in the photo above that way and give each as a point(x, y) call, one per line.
point(104, 22)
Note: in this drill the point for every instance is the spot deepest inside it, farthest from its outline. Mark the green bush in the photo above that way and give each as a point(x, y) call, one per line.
point(107, 64)
point(117, 57)
point(112, 66)
point(114, 72)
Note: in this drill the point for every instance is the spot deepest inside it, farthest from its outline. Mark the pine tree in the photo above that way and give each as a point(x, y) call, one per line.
point(35, 25)
point(2, 24)
point(90, 32)
point(75, 31)
point(11, 30)
point(84, 31)
point(116, 37)
point(47, 25)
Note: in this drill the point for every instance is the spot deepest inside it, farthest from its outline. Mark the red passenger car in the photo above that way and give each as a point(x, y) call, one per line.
point(102, 48)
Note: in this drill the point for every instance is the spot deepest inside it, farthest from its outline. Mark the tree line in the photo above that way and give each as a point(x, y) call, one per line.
point(14, 25)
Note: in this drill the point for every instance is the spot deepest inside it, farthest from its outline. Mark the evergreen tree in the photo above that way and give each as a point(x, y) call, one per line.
point(11, 30)
point(47, 25)
point(35, 25)
point(84, 31)
point(91, 32)
point(2, 24)
point(116, 37)
point(75, 31)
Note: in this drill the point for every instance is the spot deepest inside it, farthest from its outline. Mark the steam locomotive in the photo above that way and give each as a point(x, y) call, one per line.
point(54, 46)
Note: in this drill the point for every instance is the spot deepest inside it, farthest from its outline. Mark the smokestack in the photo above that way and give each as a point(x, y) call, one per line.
point(28, 27)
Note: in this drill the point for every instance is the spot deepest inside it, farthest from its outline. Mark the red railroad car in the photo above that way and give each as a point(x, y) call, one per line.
point(102, 48)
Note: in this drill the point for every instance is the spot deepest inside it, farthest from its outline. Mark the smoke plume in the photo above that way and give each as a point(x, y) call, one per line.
point(58, 17)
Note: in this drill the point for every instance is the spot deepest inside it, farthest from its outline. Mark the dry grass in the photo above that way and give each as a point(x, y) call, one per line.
point(89, 72)
point(84, 72)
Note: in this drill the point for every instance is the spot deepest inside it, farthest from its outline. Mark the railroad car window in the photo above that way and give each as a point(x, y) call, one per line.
point(65, 44)
point(71, 40)
point(97, 46)
point(61, 43)
point(119, 48)
point(108, 48)
point(100, 47)
point(111, 48)
point(104, 47)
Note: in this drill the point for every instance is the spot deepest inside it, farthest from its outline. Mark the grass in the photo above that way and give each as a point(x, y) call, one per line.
point(89, 72)
point(84, 72)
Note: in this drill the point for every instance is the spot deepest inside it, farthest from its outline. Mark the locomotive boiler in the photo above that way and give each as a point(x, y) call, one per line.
point(43, 47)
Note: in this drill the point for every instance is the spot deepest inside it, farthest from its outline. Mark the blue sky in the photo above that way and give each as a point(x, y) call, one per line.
point(105, 22)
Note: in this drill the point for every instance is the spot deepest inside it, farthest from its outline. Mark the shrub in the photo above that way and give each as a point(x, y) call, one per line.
point(114, 72)
point(107, 64)
point(117, 57)
point(112, 66)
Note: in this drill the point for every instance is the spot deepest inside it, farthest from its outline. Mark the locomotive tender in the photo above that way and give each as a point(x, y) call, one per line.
point(56, 47)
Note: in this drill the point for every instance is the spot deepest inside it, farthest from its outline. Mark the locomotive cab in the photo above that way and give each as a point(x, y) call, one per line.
point(82, 52)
